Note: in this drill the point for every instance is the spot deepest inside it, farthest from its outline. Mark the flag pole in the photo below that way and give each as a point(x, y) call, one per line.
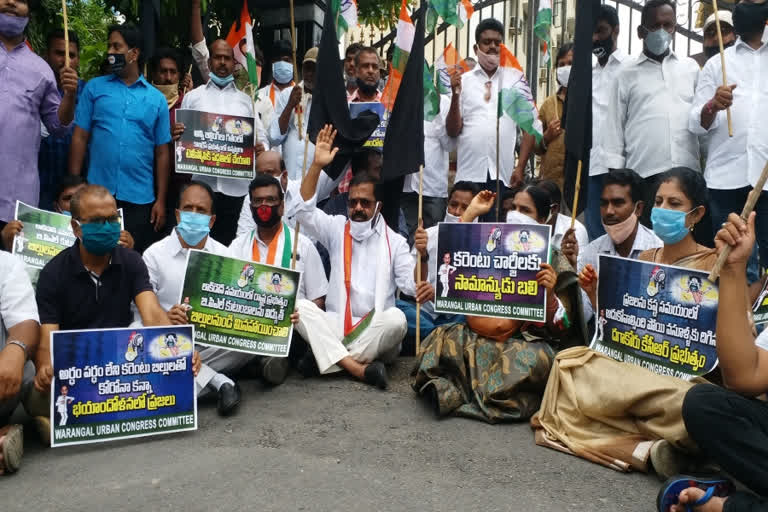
point(66, 32)
point(298, 225)
point(189, 71)
point(418, 263)
point(752, 198)
point(722, 64)
point(299, 111)
point(576, 195)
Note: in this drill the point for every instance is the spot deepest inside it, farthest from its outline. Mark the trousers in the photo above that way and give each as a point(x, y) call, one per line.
point(218, 360)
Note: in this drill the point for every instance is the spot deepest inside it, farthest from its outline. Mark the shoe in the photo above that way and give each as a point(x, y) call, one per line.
point(670, 491)
point(12, 447)
point(376, 375)
point(666, 460)
point(43, 426)
point(229, 399)
point(307, 366)
point(274, 370)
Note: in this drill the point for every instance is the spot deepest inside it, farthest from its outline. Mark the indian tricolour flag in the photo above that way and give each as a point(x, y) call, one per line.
point(448, 63)
point(465, 11)
point(515, 97)
point(345, 13)
point(240, 38)
point(542, 27)
point(403, 43)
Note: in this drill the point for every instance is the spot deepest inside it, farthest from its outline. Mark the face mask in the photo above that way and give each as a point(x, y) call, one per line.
point(222, 82)
point(12, 26)
point(64, 212)
point(116, 62)
point(99, 239)
point(193, 227)
point(449, 218)
point(658, 41)
point(171, 93)
point(602, 47)
point(749, 19)
point(282, 72)
point(488, 61)
point(366, 89)
point(618, 233)
point(563, 74)
point(266, 216)
point(361, 230)
point(669, 225)
point(515, 217)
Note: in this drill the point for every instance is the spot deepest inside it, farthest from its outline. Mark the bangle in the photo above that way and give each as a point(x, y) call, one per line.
point(22, 346)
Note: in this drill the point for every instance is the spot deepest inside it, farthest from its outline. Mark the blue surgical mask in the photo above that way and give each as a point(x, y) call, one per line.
point(282, 71)
point(669, 225)
point(193, 227)
point(658, 41)
point(222, 82)
point(65, 212)
point(99, 239)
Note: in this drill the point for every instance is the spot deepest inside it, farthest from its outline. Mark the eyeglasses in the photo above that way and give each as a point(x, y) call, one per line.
point(101, 220)
point(269, 201)
point(364, 203)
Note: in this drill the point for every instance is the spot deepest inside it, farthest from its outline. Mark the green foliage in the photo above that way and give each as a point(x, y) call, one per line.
point(379, 13)
point(89, 19)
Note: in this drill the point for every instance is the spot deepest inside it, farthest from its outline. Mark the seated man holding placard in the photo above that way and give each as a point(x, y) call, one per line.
point(19, 334)
point(362, 328)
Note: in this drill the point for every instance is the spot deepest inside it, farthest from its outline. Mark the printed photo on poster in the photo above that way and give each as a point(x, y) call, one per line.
point(760, 307)
point(660, 317)
point(111, 384)
point(376, 140)
point(490, 270)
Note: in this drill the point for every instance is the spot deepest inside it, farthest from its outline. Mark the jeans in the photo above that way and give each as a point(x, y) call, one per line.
point(592, 211)
point(136, 218)
point(733, 431)
point(428, 324)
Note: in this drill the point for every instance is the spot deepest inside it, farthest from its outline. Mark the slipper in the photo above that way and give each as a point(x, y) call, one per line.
point(670, 492)
point(12, 447)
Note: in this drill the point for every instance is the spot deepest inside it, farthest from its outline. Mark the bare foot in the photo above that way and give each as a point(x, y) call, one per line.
point(692, 495)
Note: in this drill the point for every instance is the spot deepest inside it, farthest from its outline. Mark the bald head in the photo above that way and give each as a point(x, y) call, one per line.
point(270, 162)
point(92, 201)
point(222, 59)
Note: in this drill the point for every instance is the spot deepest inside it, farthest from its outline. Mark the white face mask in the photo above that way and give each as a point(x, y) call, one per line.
point(451, 219)
point(515, 217)
point(362, 230)
point(563, 74)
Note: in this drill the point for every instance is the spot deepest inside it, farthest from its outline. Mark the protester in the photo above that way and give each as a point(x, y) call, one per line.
point(646, 128)
point(19, 335)
point(367, 76)
point(604, 71)
point(271, 163)
point(92, 284)
point(734, 163)
point(710, 44)
point(53, 158)
point(552, 145)
point(561, 224)
point(457, 361)
point(272, 243)
point(282, 78)
point(31, 97)
point(122, 121)
point(729, 424)
point(425, 247)
point(350, 74)
point(473, 114)
point(293, 103)
point(362, 328)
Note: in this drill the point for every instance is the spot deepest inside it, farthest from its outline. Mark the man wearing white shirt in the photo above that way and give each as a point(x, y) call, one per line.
point(472, 118)
point(437, 146)
point(282, 79)
point(269, 162)
point(609, 58)
point(734, 163)
point(362, 327)
point(220, 96)
point(166, 263)
point(293, 103)
point(647, 124)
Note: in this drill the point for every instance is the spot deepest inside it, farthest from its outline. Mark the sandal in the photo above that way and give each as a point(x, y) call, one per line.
point(12, 447)
point(670, 492)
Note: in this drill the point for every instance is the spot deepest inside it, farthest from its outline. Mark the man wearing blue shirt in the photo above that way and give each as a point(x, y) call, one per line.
point(126, 121)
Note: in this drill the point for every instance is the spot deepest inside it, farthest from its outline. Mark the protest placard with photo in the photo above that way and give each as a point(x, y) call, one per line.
point(760, 307)
point(660, 317)
point(490, 270)
point(240, 305)
point(113, 384)
point(376, 140)
point(215, 145)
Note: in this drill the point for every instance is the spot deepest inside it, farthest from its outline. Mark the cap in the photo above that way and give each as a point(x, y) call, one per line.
point(725, 17)
point(311, 55)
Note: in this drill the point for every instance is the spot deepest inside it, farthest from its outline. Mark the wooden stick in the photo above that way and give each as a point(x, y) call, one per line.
point(189, 72)
point(418, 263)
point(498, 179)
point(66, 32)
point(300, 108)
point(722, 63)
point(298, 225)
point(576, 195)
point(754, 195)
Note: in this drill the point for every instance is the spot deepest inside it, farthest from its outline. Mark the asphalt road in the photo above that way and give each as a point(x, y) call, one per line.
point(319, 445)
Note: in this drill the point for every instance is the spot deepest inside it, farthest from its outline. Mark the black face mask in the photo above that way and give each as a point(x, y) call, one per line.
point(749, 19)
point(266, 216)
point(602, 48)
point(711, 51)
point(116, 62)
point(366, 89)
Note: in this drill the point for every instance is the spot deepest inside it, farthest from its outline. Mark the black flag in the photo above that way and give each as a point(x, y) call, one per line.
point(577, 117)
point(150, 21)
point(329, 102)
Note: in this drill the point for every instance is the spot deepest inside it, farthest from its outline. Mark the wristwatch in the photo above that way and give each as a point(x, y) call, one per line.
point(23, 347)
